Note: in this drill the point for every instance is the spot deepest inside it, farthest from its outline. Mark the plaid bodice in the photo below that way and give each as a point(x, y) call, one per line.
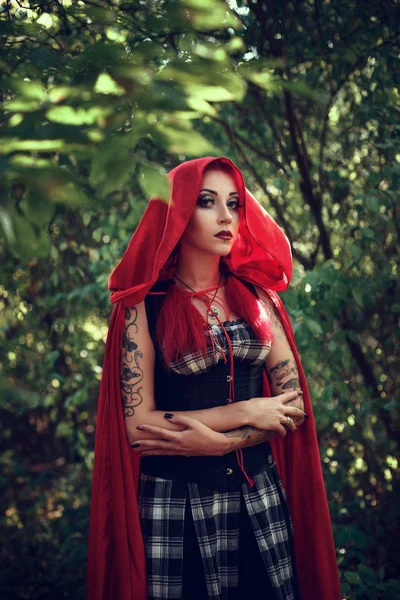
point(246, 347)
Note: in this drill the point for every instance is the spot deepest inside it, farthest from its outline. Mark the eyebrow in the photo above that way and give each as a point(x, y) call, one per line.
point(216, 193)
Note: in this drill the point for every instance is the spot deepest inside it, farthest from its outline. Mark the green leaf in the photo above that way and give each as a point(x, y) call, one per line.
point(218, 93)
point(105, 84)
point(236, 44)
point(346, 588)
point(23, 105)
point(367, 575)
point(368, 233)
point(314, 327)
point(119, 175)
point(339, 290)
point(352, 577)
point(115, 149)
point(356, 251)
point(79, 116)
point(201, 106)
point(37, 207)
point(154, 181)
point(358, 297)
point(34, 90)
point(210, 14)
point(373, 203)
point(183, 140)
point(327, 394)
point(206, 79)
point(70, 194)
point(14, 145)
point(23, 239)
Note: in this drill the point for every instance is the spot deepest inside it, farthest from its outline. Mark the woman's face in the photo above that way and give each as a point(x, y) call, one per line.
point(214, 223)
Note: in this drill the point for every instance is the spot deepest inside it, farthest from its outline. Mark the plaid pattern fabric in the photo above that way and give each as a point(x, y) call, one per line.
point(216, 521)
point(245, 345)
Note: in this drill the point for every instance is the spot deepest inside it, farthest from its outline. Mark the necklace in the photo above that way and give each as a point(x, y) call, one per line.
point(214, 311)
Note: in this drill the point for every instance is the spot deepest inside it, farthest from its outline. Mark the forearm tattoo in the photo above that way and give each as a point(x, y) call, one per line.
point(246, 436)
point(131, 373)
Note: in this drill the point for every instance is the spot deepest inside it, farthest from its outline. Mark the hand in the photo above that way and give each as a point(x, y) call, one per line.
point(298, 403)
point(195, 440)
point(272, 413)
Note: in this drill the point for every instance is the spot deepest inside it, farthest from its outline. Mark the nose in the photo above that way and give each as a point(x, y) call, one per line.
point(224, 215)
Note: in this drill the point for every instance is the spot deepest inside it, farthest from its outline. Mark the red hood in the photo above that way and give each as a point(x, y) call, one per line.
point(261, 253)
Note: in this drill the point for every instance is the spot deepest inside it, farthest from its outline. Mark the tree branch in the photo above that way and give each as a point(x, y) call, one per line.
point(258, 151)
point(275, 205)
point(261, 103)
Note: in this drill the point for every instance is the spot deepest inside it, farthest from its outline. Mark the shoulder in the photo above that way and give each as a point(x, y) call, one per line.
point(154, 301)
point(135, 315)
point(262, 294)
point(276, 322)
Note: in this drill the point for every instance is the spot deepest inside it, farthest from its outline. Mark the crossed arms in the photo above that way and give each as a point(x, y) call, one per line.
point(212, 431)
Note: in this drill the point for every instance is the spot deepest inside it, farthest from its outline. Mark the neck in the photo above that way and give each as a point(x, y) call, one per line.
point(198, 270)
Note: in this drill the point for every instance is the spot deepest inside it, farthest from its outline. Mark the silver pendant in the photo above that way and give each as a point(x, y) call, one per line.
point(214, 312)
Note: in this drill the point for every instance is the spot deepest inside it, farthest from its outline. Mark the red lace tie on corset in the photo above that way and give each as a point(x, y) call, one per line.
point(207, 301)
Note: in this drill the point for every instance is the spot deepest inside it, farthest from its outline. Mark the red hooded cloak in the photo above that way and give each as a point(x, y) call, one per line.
point(261, 255)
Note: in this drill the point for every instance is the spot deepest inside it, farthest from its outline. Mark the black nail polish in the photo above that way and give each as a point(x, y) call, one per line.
point(300, 393)
point(306, 416)
point(134, 445)
point(168, 415)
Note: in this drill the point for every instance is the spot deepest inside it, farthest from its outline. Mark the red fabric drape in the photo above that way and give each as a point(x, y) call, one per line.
point(261, 255)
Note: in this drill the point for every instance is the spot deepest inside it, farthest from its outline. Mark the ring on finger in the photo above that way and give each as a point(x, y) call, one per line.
point(289, 421)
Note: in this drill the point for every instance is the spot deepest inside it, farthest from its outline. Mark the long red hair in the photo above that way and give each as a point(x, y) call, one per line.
point(180, 326)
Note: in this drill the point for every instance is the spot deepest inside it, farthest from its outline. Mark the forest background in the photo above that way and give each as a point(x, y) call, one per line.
point(98, 99)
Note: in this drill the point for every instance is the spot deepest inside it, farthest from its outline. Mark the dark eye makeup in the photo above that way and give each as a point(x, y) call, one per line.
point(204, 201)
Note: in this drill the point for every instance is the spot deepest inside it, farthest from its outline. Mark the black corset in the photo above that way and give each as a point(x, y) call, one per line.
point(175, 392)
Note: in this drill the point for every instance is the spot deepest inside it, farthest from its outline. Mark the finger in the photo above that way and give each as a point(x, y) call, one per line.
point(299, 421)
point(281, 430)
point(288, 396)
point(188, 422)
point(158, 432)
point(153, 444)
point(290, 425)
point(292, 411)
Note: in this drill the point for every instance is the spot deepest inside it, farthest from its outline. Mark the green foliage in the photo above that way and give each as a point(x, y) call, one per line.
point(96, 96)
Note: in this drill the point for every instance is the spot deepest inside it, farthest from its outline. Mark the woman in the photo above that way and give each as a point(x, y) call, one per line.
point(198, 317)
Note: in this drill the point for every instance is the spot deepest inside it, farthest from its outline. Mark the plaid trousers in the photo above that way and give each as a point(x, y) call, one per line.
point(216, 521)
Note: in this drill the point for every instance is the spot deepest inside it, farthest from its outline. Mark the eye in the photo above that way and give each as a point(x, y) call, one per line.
point(205, 201)
point(234, 203)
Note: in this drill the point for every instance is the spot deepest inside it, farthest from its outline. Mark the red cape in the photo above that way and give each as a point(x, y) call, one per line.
point(261, 255)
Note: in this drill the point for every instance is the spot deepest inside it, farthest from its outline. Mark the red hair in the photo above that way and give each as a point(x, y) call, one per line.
point(180, 326)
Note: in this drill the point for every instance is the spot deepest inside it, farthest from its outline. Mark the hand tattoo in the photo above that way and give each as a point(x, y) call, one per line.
point(131, 374)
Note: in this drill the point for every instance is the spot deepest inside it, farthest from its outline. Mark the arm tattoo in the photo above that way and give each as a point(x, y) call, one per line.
point(131, 373)
point(282, 370)
point(246, 436)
